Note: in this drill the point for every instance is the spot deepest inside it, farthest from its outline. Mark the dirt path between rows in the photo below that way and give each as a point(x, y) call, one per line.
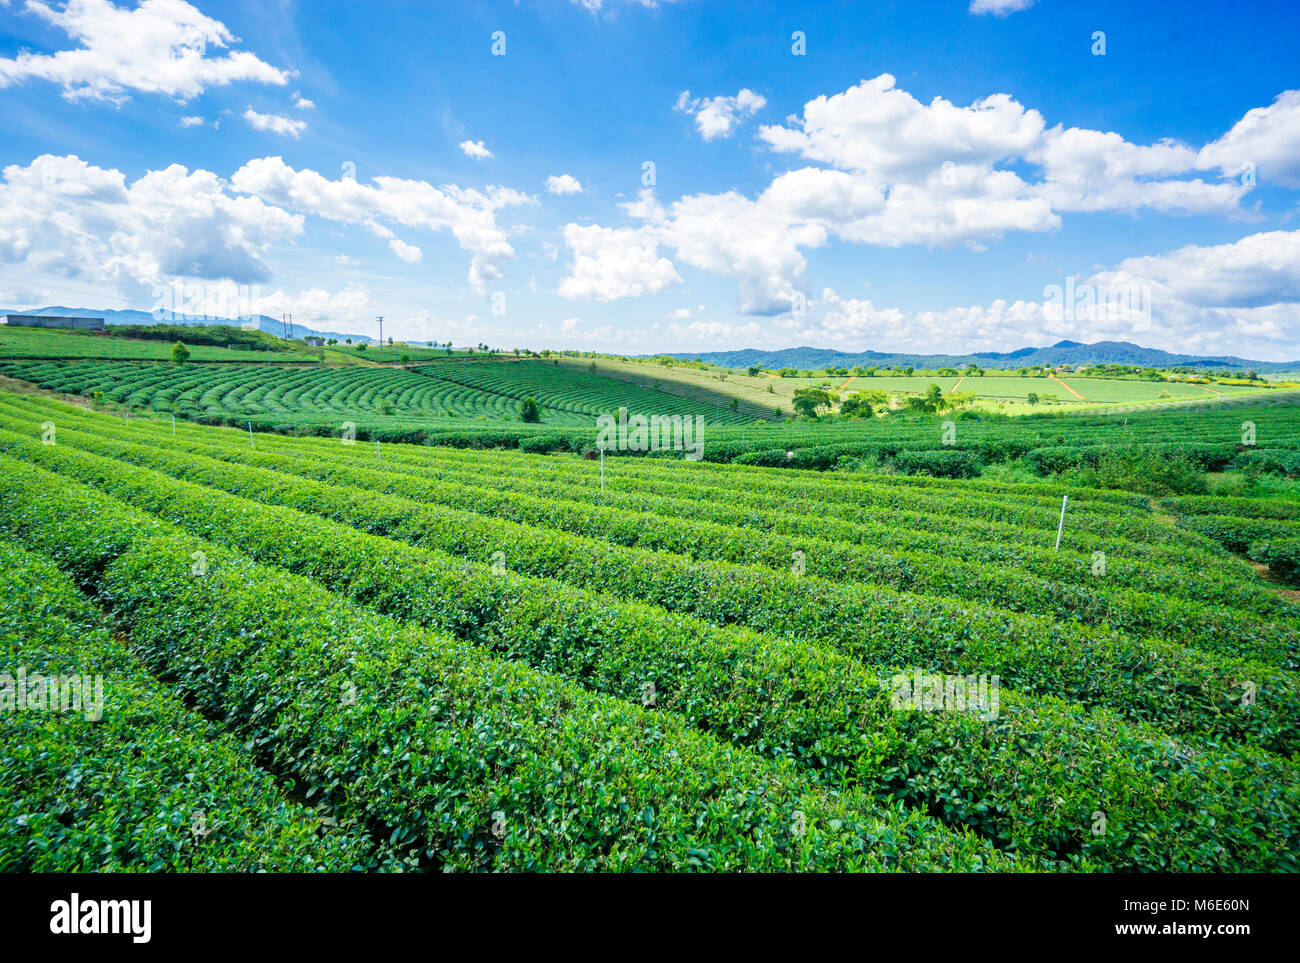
point(1290, 594)
point(1067, 387)
point(954, 388)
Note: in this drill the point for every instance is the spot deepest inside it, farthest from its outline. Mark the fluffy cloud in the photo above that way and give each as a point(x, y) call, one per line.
point(718, 116)
point(407, 252)
point(192, 121)
point(1266, 140)
point(302, 103)
point(999, 8)
point(469, 215)
point(897, 172)
point(563, 184)
point(318, 307)
point(475, 149)
point(595, 6)
point(275, 123)
point(63, 216)
point(159, 47)
point(1241, 298)
point(610, 264)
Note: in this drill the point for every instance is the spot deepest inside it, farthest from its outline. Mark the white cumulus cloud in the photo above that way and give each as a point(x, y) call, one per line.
point(718, 116)
point(275, 123)
point(563, 184)
point(475, 149)
point(159, 47)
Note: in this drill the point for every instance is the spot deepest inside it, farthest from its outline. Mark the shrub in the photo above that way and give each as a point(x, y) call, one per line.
point(1282, 556)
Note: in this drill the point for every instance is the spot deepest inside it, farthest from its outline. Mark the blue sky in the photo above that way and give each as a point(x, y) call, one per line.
point(918, 178)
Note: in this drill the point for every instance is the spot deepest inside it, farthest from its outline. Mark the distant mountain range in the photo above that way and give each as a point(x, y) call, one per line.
point(269, 325)
point(1061, 353)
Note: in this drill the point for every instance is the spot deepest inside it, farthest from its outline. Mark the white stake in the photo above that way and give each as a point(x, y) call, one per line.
point(173, 424)
point(376, 449)
point(250, 434)
point(1065, 500)
point(602, 469)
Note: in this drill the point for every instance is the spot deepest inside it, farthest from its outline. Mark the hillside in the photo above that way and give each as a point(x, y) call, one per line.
point(1061, 353)
point(264, 323)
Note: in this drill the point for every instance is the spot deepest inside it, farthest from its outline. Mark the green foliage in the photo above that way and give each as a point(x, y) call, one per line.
point(180, 353)
point(1281, 555)
point(808, 401)
point(1148, 471)
point(127, 791)
point(530, 411)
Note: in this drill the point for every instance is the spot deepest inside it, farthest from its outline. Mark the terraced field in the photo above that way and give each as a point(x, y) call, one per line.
point(43, 343)
point(382, 397)
point(490, 660)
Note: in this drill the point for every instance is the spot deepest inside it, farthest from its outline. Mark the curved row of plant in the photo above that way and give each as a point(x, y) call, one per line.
point(1212, 628)
point(1127, 565)
point(797, 702)
point(148, 785)
point(1180, 689)
point(461, 759)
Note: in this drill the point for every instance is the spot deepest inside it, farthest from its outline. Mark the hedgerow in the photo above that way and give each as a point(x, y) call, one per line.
point(149, 786)
point(461, 761)
point(966, 769)
point(1243, 634)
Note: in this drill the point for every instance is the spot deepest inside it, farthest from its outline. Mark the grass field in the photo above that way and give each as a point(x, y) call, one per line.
point(377, 395)
point(490, 660)
point(19, 342)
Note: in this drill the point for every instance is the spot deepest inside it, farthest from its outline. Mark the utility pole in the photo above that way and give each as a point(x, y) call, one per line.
point(286, 326)
point(381, 331)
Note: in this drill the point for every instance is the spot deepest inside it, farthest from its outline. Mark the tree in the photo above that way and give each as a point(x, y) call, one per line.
point(735, 404)
point(808, 400)
point(361, 346)
point(1032, 398)
point(180, 353)
point(405, 358)
point(856, 406)
point(530, 411)
point(753, 370)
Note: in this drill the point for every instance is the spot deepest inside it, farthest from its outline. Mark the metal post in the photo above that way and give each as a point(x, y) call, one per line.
point(250, 434)
point(602, 469)
point(1065, 500)
point(173, 424)
point(377, 449)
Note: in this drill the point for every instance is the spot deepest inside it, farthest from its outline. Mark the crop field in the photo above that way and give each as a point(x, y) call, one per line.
point(434, 658)
point(23, 343)
point(375, 395)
